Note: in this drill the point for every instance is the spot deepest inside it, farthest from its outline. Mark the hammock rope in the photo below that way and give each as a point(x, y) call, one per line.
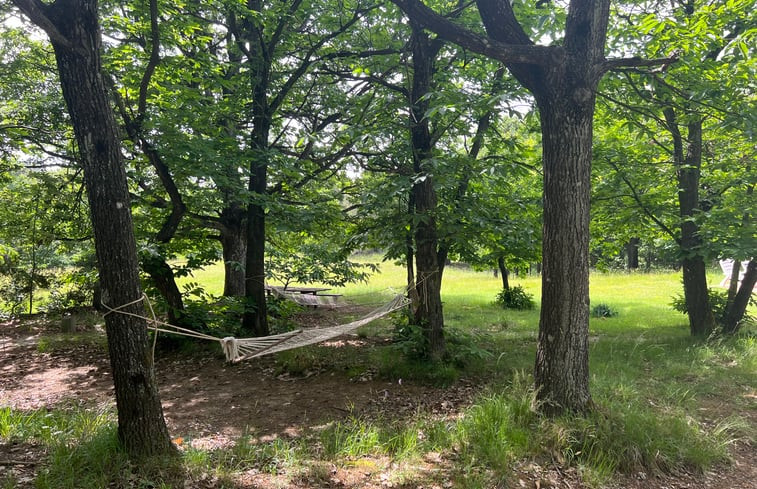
point(239, 349)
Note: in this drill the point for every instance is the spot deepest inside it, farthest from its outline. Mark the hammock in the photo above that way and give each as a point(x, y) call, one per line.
point(238, 349)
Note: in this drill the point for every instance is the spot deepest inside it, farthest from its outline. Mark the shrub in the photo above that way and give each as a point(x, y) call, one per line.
point(603, 310)
point(515, 298)
point(718, 302)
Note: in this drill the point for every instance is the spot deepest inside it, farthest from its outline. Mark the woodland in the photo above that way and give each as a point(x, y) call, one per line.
point(342, 143)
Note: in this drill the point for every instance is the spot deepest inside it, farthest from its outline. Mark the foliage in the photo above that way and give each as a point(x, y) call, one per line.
point(603, 310)
point(719, 303)
point(70, 289)
point(515, 298)
point(306, 261)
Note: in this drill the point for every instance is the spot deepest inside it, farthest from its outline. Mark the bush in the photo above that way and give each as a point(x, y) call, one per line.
point(515, 298)
point(718, 302)
point(602, 310)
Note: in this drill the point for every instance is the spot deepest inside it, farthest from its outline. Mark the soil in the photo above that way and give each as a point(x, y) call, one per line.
point(209, 403)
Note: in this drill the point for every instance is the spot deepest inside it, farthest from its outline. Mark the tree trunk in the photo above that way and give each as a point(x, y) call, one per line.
point(737, 309)
point(562, 356)
point(428, 314)
point(234, 247)
point(255, 319)
point(696, 295)
point(164, 280)
point(504, 272)
point(632, 254)
point(733, 283)
point(73, 28)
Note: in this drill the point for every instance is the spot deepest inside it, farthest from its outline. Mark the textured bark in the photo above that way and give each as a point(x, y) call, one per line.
point(735, 313)
point(428, 313)
point(233, 237)
point(73, 28)
point(562, 356)
point(688, 163)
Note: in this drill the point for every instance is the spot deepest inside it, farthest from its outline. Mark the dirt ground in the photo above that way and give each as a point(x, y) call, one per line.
point(209, 403)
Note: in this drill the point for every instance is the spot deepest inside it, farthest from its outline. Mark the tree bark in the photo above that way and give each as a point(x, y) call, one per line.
point(562, 356)
point(504, 272)
point(632, 254)
point(428, 314)
point(72, 26)
point(737, 309)
point(233, 237)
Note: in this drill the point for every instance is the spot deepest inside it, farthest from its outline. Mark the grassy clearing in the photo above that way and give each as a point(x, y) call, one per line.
point(653, 386)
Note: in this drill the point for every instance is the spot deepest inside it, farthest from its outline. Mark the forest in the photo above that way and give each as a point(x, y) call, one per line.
point(528, 225)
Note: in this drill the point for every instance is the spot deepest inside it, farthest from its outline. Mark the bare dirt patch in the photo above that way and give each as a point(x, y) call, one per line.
point(209, 403)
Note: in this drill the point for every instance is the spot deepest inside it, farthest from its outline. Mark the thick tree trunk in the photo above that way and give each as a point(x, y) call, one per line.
point(696, 295)
point(234, 247)
point(562, 356)
point(737, 309)
point(76, 41)
point(632, 254)
point(428, 314)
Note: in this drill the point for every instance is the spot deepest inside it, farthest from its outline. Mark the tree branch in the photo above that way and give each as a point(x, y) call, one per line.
point(637, 199)
point(529, 54)
point(153, 61)
point(635, 62)
point(36, 11)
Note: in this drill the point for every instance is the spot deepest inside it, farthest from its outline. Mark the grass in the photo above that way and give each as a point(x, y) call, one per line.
point(659, 397)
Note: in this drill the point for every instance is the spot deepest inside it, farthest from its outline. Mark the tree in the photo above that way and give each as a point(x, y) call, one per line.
point(563, 79)
point(428, 160)
point(72, 26)
point(694, 128)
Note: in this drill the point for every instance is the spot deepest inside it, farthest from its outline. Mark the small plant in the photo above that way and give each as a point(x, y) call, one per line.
point(516, 298)
point(603, 310)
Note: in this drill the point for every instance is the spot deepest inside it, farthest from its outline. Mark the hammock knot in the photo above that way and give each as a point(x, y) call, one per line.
point(230, 348)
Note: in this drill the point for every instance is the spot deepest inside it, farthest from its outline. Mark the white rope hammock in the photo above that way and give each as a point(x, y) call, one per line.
point(238, 349)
